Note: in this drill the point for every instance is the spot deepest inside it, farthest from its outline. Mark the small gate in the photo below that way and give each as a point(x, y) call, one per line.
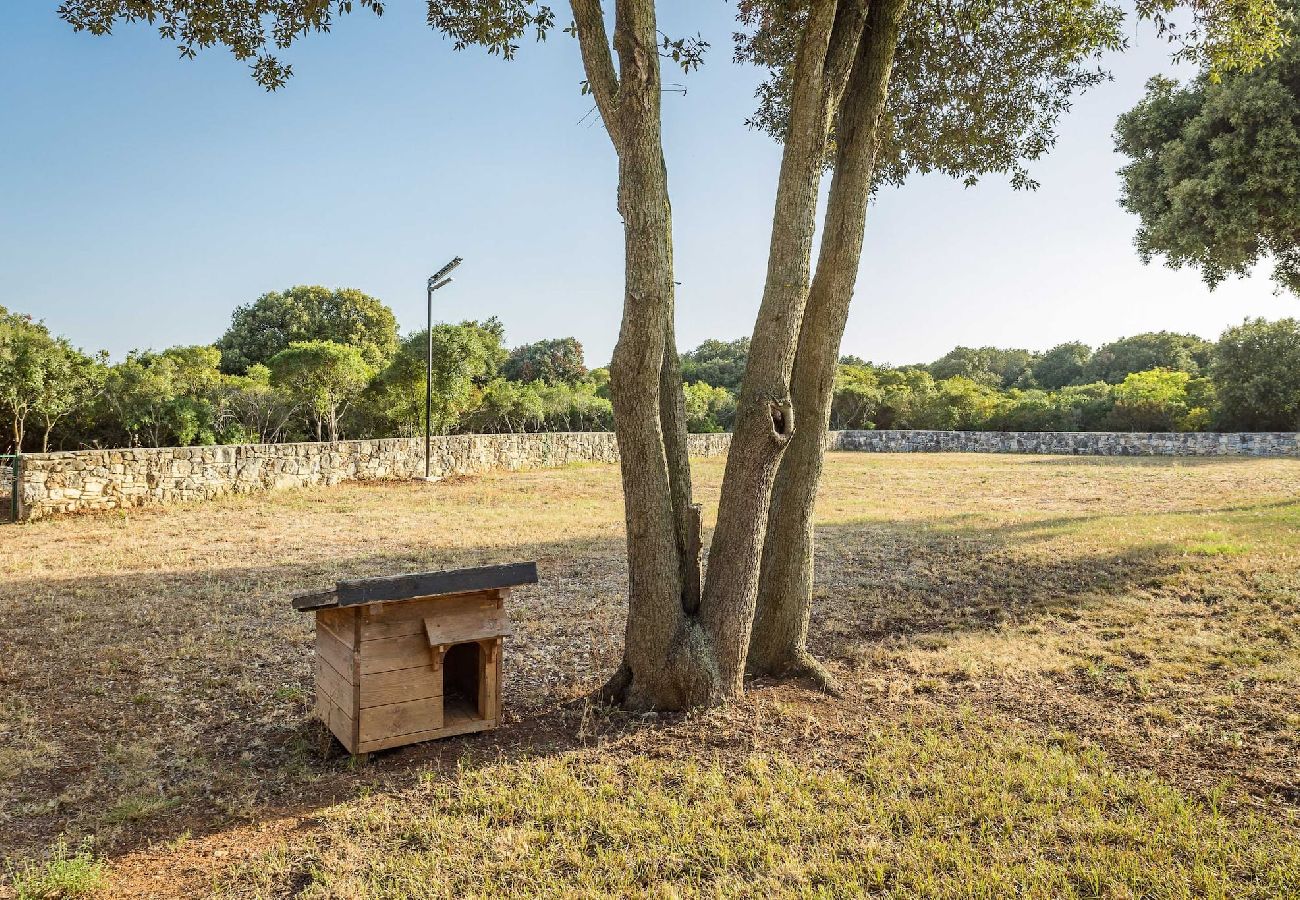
point(10, 469)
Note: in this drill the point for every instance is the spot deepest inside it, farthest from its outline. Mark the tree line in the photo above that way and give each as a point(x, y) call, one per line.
point(311, 363)
point(307, 363)
point(1249, 380)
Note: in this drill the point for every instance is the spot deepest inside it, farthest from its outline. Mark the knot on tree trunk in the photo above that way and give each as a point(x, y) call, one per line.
point(782, 414)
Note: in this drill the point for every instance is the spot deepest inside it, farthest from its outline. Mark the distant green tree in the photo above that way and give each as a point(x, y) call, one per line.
point(272, 322)
point(554, 361)
point(42, 377)
point(1083, 407)
point(708, 408)
point(573, 407)
point(1117, 360)
point(1215, 170)
point(992, 366)
point(857, 397)
point(507, 406)
point(958, 404)
point(1162, 400)
point(465, 357)
point(719, 363)
point(165, 399)
point(252, 410)
point(905, 395)
point(1256, 371)
point(324, 377)
point(1024, 410)
point(1062, 365)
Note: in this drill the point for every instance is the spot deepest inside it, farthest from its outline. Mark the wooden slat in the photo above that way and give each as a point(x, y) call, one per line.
point(400, 685)
point(379, 722)
point(342, 622)
point(332, 650)
point(408, 651)
point(342, 725)
point(399, 740)
point(473, 626)
point(429, 584)
point(332, 685)
point(385, 620)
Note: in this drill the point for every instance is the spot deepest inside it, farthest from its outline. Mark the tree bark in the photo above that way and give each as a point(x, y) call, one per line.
point(667, 664)
point(780, 633)
point(765, 414)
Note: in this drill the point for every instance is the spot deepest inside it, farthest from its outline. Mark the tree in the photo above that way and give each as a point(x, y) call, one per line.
point(959, 404)
point(164, 399)
point(857, 398)
point(688, 636)
point(273, 321)
point(1117, 360)
point(1214, 175)
point(992, 366)
point(507, 406)
point(251, 409)
point(323, 377)
point(465, 357)
point(1063, 365)
point(41, 376)
point(1256, 372)
point(1161, 400)
point(717, 363)
point(709, 409)
point(554, 361)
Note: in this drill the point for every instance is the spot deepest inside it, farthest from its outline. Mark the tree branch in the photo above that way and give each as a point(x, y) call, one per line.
point(589, 25)
point(850, 19)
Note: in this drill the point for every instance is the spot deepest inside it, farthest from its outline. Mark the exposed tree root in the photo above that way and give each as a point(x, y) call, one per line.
point(801, 665)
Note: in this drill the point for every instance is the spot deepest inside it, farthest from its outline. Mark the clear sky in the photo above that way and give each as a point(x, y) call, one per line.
point(144, 197)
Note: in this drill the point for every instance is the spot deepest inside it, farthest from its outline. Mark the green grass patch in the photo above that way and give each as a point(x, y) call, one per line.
point(921, 811)
point(61, 875)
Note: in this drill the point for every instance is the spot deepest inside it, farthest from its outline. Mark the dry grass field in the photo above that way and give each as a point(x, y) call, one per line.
point(1065, 677)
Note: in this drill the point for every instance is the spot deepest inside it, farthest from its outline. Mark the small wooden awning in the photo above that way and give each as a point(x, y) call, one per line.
point(419, 584)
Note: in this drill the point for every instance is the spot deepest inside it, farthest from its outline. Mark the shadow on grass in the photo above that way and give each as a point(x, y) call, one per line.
point(167, 703)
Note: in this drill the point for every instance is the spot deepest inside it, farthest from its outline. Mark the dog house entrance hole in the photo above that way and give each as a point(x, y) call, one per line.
point(462, 682)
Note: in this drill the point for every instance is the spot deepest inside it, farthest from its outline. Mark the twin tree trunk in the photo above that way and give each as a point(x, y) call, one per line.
point(688, 639)
point(780, 632)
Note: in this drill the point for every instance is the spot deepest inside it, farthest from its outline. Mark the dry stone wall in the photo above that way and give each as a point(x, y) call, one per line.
point(54, 483)
point(1071, 443)
point(110, 479)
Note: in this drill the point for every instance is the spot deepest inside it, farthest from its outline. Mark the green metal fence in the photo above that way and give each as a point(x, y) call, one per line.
point(10, 471)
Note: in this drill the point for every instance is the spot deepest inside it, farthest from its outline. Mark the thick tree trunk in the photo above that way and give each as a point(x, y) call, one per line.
point(765, 415)
point(779, 645)
point(667, 664)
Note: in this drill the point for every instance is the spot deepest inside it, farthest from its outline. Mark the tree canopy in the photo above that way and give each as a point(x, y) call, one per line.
point(1257, 372)
point(324, 377)
point(1115, 361)
point(261, 329)
point(553, 360)
point(1215, 170)
point(717, 363)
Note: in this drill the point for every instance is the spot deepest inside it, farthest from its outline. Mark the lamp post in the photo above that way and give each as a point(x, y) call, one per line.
point(436, 281)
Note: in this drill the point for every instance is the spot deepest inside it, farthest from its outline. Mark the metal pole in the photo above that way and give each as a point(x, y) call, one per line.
point(428, 386)
point(439, 280)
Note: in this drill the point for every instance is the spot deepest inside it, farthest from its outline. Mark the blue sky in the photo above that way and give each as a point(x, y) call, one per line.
point(144, 197)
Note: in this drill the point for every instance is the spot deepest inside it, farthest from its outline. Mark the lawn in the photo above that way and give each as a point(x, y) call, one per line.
point(1065, 677)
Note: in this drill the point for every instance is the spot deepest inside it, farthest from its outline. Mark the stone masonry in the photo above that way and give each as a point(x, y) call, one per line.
point(54, 483)
point(110, 479)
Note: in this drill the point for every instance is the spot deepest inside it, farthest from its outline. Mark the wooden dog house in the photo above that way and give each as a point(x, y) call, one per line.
point(410, 658)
